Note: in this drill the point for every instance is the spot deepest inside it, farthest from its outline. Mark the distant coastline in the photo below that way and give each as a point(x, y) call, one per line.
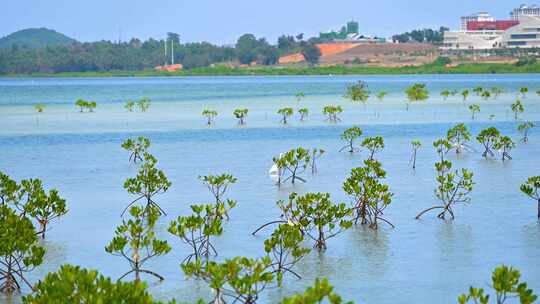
point(479, 68)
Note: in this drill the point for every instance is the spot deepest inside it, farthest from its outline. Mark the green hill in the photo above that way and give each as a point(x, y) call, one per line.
point(35, 38)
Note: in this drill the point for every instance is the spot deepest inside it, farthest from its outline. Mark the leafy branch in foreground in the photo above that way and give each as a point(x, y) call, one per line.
point(19, 250)
point(284, 248)
point(488, 137)
point(137, 147)
point(531, 188)
point(135, 241)
point(349, 136)
point(86, 286)
point(505, 282)
point(370, 197)
point(148, 183)
point(316, 294)
point(524, 129)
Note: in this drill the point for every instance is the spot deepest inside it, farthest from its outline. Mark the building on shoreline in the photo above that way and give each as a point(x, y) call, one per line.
point(483, 32)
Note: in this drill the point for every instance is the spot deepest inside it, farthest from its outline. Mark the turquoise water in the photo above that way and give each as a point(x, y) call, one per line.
point(426, 261)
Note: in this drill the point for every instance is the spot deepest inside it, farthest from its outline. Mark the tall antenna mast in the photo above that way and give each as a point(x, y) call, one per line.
point(165, 44)
point(172, 51)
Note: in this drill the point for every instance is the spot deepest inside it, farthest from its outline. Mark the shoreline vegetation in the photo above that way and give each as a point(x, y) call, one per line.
point(469, 68)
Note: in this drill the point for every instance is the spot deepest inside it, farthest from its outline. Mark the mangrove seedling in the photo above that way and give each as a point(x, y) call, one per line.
point(210, 116)
point(465, 94)
point(304, 112)
point(291, 164)
point(496, 91)
point(40, 107)
point(370, 197)
point(285, 113)
point(442, 146)
point(532, 189)
point(137, 148)
point(523, 91)
point(504, 144)
point(453, 188)
point(381, 95)
point(299, 96)
point(315, 154)
point(415, 145)
point(474, 108)
point(506, 283)
point(358, 92)
point(416, 92)
point(241, 115)
point(458, 136)
point(517, 107)
point(524, 129)
point(218, 185)
point(75, 283)
point(196, 231)
point(318, 293)
point(478, 91)
point(445, 94)
point(81, 104)
point(135, 241)
point(20, 252)
point(284, 248)
point(144, 103)
point(332, 113)
point(148, 183)
point(488, 137)
point(373, 144)
point(486, 95)
point(349, 136)
point(130, 104)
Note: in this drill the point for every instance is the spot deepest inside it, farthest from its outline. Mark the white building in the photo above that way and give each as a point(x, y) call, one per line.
point(482, 16)
point(524, 35)
point(472, 40)
point(525, 10)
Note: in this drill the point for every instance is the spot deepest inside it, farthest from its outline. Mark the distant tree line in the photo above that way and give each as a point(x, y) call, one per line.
point(422, 35)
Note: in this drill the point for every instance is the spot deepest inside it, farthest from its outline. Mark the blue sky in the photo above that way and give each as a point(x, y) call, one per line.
point(223, 22)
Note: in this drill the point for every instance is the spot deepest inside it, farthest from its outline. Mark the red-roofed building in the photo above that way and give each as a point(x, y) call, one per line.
point(497, 25)
point(169, 68)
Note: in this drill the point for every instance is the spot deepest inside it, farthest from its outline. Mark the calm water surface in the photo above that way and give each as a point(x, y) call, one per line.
point(426, 261)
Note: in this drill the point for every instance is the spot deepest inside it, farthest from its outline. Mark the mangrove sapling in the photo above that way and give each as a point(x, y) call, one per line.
point(532, 189)
point(381, 95)
point(453, 188)
point(478, 91)
point(130, 104)
point(41, 206)
point(416, 92)
point(474, 108)
point(299, 96)
point(315, 154)
point(488, 137)
point(349, 136)
point(144, 104)
point(304, 112)
point(318, 293)
point(373, 144)
point(210, 116)
point(465, 94)
point(137, 147)
point(81, 104)
point(458, 136)
point(39, 107)
point(10, 190)
point(72, 284)
point(332, 113)
point(517, 107)
point(320, 218)
point(291, 164)
point(148, 183)
point(218, 185)
point(370, 197)
point(19, 250)
point(241, 115)
point(486, 95)
point(284, 248)
point(135, 241)
point(505, 281)
point(445, 94)
point(523, 91)
point(442, 146)
point(285, 113)
point(496, 91)
point(504, 144)
point(415, 145)
point(196, 231)
point(358, 92)
point(524, 129)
